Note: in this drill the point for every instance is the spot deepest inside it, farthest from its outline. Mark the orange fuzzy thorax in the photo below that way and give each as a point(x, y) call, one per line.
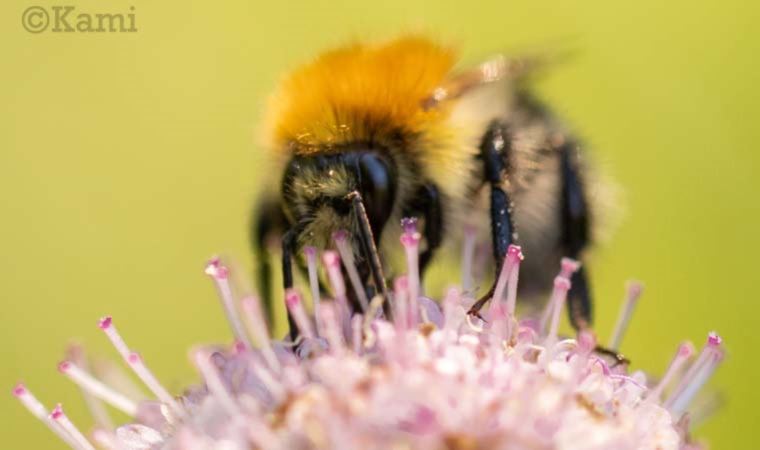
point(360, 93)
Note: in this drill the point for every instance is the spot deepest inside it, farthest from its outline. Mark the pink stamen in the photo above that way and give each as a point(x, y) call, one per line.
point(238, 347)
point(39, 411)
point(272, 384)
point(468, 257)
point(679, 403)
point(214, 268)
point(697, 375)
point(401, 293)
point(331, 328)
point(701, 360)
point(633, 292)
point(331, 261)
point(409, 225)
point(561, 286)
point(714, 340)
point(295, 306)
point(57, 412)
point(214, 382)
point(684, 352)
point(501, 283)
point(568, 267)
point(220, 275)
point(515, 257)
point(215, 261)
point(548, 310)
point(114, 374)
point(78, 438)
point(311, 264)
point(105, 322)
point(97, 388)
point(98, 410)
point(498, 321)
point(586, 342)
point(138, 366)
point(411, 242)
point(347, 255)
point(19, 390)
point(257, 326)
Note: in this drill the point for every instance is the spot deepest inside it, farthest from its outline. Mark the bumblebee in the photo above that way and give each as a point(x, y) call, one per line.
point(369, 133)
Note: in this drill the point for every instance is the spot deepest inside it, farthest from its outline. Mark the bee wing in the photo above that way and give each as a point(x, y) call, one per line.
point(498, 68)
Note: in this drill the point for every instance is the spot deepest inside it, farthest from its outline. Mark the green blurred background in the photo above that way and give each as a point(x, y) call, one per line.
point(127, 159)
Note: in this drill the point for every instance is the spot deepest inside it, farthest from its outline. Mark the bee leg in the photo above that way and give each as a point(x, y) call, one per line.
point(617, 358)
point(268, 224)
point(369, 245)
point(575, 238)
point(494, 152)
point(428, 203)
point(288, 247)
point(575, 235)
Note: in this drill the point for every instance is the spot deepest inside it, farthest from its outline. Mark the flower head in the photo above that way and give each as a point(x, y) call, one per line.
point(431, 376)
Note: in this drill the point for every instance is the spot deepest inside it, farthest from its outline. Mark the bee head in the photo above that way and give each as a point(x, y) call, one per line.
point(316, 188)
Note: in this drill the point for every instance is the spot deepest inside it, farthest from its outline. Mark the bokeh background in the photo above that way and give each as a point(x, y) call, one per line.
point(127, 159)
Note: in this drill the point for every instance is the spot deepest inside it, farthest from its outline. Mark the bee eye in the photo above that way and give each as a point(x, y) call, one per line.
point(377, 184)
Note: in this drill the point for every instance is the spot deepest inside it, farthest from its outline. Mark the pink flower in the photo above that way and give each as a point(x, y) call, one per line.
point(431, 377)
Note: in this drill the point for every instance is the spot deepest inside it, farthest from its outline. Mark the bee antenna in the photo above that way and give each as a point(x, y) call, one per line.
point(367, 239)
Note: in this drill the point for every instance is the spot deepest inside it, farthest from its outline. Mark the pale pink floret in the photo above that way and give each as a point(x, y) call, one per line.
point(37, 409)
point(410, 240)
point(79, 440)
point(633, 292)
point(220, 274)
point(297, 310)
point(342, 242)
point(135, 362)
point(514, 258)
point(97, 388)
